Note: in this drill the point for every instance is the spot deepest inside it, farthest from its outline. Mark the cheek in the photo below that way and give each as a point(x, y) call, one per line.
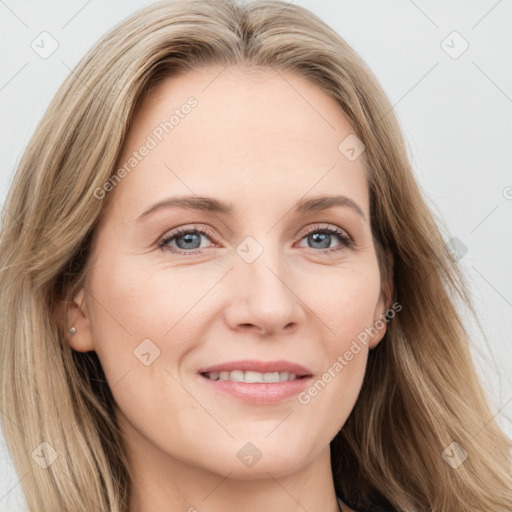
point(346, 314)
point(142, 332)
point(348, 304)
point(135, 317)
point(147, 318)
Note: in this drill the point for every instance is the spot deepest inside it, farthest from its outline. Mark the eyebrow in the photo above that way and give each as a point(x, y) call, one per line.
point(209, 204)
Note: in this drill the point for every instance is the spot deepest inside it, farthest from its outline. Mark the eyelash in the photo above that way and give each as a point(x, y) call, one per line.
point(346, 241)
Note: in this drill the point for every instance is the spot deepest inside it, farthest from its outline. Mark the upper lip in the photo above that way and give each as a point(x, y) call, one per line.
point(259, 366)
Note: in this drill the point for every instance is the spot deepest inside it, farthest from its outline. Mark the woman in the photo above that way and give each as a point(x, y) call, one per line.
point(173, 338)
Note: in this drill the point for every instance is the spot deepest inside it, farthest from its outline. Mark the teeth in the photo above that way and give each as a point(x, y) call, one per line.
point(251, 377)
point(236, 375)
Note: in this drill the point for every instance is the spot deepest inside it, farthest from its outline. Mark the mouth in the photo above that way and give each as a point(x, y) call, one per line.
point(257, 382)
point(252, 377)
point(255, 371)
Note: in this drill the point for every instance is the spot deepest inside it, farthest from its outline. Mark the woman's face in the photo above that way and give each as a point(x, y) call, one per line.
point(264, 284)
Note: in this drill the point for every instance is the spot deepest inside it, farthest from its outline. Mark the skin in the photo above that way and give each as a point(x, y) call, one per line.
point(262, 142)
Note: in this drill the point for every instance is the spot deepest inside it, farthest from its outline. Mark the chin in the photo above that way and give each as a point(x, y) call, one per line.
point(250, 461)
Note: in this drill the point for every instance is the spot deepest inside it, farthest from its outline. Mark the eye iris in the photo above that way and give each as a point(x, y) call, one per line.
point(321, 237)
point(189, 239)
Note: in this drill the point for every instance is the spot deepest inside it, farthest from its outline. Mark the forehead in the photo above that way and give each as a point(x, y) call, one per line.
point(219, 130)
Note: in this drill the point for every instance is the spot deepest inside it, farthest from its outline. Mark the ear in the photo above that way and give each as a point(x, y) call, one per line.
point(380, 320)
point(75, 314)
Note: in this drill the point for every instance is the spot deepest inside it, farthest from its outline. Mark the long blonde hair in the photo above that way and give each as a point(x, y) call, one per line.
point(421, 395)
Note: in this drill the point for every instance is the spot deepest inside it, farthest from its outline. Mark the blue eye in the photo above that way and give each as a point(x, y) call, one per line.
point(326, 236)
point(188, 240)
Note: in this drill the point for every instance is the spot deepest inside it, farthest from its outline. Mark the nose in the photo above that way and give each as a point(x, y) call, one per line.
point(263, 297)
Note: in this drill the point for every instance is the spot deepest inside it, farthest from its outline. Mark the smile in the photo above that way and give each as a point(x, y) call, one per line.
point(251, 377)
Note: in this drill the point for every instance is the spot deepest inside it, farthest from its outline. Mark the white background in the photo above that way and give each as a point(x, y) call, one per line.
point(456, 115)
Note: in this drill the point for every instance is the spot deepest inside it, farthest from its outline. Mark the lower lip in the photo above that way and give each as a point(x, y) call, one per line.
point(259, 392)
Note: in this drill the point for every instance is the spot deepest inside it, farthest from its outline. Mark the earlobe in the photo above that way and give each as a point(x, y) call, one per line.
point(77, 324)
point(380, 319)
point(378, 328)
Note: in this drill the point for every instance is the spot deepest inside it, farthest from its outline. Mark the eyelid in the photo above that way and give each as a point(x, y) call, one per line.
point(187, 228)
point(328, 227)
